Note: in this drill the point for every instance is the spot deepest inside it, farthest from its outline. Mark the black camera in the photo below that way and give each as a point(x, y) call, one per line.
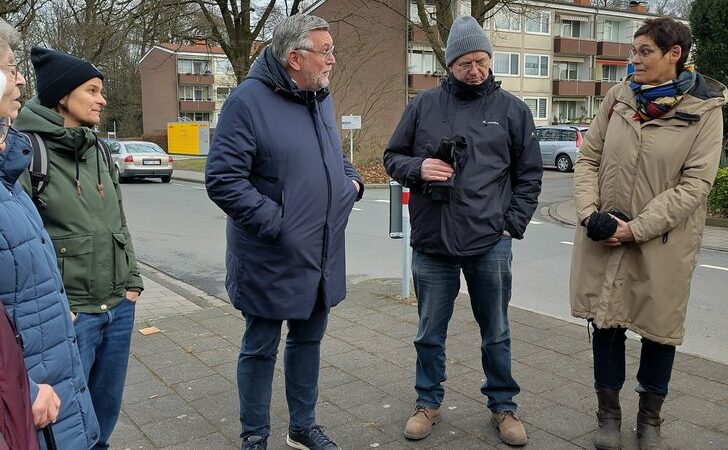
point(449, 151)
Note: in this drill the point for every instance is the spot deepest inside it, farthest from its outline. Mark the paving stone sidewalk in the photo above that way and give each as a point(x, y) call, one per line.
point(181, 391)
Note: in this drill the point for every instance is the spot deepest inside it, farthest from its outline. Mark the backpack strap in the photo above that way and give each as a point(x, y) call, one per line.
point(39, 166)
point(106, 154)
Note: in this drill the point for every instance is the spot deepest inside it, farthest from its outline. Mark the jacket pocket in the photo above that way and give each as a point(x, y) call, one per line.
point(75, 261)
point(121, 261)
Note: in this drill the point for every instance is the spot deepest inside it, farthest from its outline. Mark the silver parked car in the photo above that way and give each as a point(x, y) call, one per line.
point(139, 159)
point(560, 145)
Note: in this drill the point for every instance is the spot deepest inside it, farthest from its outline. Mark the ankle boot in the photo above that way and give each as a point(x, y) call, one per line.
point(649, 421)
point(609, 418)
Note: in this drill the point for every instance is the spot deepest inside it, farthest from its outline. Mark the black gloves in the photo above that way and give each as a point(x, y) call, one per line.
point(602, 225)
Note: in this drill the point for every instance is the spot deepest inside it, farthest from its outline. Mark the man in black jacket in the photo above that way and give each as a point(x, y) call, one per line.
point(467, 151)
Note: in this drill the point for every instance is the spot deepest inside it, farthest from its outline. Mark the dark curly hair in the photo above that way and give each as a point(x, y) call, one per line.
point(667, 32)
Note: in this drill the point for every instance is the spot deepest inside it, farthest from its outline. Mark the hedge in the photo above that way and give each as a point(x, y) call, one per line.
point(718, 197)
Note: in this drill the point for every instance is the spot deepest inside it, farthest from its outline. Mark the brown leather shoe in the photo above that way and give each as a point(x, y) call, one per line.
point(510, 428)
point(420, 424)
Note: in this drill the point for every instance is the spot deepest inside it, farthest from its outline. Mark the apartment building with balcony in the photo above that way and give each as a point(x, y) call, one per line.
point(560, 57)
point(184, 82)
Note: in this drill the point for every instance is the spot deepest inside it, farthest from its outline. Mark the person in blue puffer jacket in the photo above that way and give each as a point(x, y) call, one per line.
point(31, 288)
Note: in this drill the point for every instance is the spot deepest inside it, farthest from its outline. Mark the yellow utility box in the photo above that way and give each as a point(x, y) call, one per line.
point(188, 138)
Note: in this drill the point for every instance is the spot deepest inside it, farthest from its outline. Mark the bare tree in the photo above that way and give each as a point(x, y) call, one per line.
point(676, 8)
point(240, 27)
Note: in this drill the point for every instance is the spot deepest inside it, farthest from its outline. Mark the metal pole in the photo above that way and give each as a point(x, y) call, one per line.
point(406, 269)
point(351, 146)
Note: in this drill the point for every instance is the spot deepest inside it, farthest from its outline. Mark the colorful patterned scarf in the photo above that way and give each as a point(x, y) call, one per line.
point(656, 101)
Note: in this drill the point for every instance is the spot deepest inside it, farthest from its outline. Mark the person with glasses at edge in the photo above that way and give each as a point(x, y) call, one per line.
point(467, 151)
point(32, 292)
point(641, 184)
point(277, 169)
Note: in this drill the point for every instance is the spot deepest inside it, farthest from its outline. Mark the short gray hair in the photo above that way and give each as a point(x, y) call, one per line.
point(293, 33)
point(9, 36)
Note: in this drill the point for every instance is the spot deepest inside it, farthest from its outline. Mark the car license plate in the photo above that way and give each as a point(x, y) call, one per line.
point(151, 162)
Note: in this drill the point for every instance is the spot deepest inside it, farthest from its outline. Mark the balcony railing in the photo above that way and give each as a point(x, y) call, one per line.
point(196, 78)
point(602, 87)
point(574, 88)
point(613, 50)
point(421, 82)
point(196, 106)
point(574, 46)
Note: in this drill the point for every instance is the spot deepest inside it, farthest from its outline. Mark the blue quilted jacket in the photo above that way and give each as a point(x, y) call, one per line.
point(32, 292)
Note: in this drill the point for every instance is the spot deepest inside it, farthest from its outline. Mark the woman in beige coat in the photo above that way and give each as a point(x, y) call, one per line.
point(640, 186)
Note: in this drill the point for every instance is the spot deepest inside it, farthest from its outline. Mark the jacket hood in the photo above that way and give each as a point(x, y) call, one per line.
point(15, 159)
point(36, 118)
point(270, 72)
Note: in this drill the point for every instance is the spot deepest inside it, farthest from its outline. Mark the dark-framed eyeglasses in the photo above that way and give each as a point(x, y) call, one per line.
point(325, 53)
point(13, 71)
point(4, 129)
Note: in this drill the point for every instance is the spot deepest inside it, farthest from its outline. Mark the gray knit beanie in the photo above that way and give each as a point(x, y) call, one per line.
point(466, 36)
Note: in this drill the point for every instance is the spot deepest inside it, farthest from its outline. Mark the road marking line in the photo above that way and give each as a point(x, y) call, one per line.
point(566, 243)
point(381, 201)
point(534, 222)
point(707, 266)
point(356, 209)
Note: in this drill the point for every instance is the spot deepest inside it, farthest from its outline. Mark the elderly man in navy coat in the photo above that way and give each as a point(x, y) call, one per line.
point(277, 169)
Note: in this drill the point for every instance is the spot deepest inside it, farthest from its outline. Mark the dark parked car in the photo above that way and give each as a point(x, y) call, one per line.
point(139, 159)
point(560, 145)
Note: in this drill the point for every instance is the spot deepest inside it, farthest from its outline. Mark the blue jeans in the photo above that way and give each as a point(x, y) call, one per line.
point(656, 362)
point(301, 362)
point(437, 283)
point(103, 344)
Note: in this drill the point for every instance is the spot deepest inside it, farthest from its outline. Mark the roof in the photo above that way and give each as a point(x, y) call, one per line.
point(202, 49)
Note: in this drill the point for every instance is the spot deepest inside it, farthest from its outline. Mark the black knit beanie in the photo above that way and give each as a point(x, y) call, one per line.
point(58, 73)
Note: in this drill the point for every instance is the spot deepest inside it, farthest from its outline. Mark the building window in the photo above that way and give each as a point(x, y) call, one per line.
point(429, 9)
point(424, 62)
point(222, 66)
point(194, 93)
point(566, 70)
point(536, 65)
point(223, 92)
point(567, 111)
point(538, 23)
point(611, 31)
point(506, 20)
point(196, 116)
point(193, 66)
point(538, 106)
point(506, 63)
point(572, 28)
point(613, 73)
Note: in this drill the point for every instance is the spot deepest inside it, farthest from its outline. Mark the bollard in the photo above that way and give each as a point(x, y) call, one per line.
point(406, 269)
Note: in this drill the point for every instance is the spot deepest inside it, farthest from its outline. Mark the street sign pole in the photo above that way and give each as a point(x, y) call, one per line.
point(351, 146)
point(351, 123)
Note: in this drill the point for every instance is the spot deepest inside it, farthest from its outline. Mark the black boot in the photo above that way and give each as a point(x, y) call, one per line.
point(609, 418)
point(649, 421)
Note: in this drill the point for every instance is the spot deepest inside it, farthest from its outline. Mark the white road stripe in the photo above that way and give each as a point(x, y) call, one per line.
point(534, 222)
point(382, 201)
point(566, 243)
point(707, 266)
point(356, 209)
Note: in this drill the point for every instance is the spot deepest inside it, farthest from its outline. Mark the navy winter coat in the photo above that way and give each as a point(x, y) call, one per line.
point(277, 169)
point(32, 292)
point(497, 176)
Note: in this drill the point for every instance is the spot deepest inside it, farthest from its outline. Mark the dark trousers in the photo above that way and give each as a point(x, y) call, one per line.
point(655, 368)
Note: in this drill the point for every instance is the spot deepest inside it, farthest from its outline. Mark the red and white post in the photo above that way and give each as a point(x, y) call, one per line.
point(406, 266)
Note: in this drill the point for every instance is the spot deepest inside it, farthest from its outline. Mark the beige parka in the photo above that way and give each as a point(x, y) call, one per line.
point(658, 173)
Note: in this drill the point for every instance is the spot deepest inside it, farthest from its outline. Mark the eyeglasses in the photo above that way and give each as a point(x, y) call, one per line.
point(325, 53)
point(13, 71)
point(481, 63)
point(643, 53)
point(4, 128)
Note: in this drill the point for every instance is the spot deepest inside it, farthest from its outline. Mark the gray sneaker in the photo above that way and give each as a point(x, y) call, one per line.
point(312, 439)
point(255, 443)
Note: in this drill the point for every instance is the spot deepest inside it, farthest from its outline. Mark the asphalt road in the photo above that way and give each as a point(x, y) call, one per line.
point(179, 231)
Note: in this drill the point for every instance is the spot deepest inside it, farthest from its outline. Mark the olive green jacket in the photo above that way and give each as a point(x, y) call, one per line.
point(83, 214)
